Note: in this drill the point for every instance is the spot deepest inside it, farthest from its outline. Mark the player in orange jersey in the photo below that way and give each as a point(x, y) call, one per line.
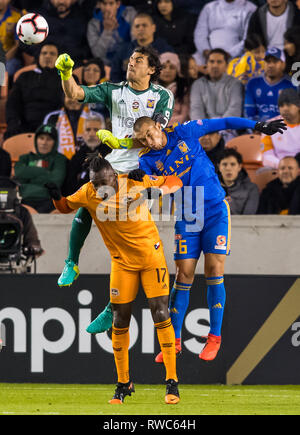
point(118, 207)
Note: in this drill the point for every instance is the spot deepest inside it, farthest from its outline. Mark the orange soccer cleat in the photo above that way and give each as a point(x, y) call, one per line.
point(211, 348)
point(121, 392)
point(159, 357)
point(172, 394)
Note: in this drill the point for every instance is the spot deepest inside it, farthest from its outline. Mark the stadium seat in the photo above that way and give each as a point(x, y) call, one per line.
point(30, 209)
point(263, 176)
point(24, 69)
point(248, 145)
point(18, 145)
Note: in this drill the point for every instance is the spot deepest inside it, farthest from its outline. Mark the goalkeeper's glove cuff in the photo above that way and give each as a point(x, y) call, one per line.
point(125, 143)
point(65, 75)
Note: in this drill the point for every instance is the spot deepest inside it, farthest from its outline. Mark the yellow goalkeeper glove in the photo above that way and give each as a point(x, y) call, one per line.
point(64, 64)
point(110, 140)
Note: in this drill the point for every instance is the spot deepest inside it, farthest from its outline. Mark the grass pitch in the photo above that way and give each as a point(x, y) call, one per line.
point(54, 399)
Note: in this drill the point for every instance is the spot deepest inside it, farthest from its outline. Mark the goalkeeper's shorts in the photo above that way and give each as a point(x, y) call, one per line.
point(124, 283)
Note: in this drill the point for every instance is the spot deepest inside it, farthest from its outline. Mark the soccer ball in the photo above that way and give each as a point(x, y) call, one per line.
point(32, 29)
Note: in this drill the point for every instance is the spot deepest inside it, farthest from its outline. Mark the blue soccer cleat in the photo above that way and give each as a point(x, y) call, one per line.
point(103, 322)
point(69, 274)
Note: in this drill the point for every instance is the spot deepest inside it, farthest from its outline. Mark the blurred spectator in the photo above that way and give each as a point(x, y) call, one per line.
point(292, 48)
point(77, 174)
point(93, 73)
point(272, 19)
point(282, 195)
point(213, 144)
point(109, 27)
point(175, 25)
point(67, 28)
point(146, 6)
point(9, 16)
point(288, 144)
point(5, 163)
point(242, 195)
point(251, 63)
point(143, 34)
point(262, 92)
point(171, 78)
point(192, 6)
point(33, 170)
point(34, 94)
point(216, 95)
point(68, 121)
point(222, 24)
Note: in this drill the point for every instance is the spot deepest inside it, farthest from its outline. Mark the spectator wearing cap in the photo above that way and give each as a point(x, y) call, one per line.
point(272, 19)
point(109, 27)
point(282, 195)
point(171, 78)
point(33, 170)
point(262, 92)
point(288, 144)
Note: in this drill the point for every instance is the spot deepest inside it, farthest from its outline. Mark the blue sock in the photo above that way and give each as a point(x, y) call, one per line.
point(179, 302)
point(216, 297)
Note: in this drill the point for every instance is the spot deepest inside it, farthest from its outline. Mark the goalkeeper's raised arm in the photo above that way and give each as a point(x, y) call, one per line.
point(65, 64)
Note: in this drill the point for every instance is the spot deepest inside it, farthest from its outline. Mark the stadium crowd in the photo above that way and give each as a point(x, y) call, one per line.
point(219, 58)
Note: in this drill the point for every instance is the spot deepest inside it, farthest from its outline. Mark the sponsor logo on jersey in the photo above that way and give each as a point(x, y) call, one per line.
point(135, 106)
point(157, 245)
point(258, 92)
point(150, 104)
point(221, 243)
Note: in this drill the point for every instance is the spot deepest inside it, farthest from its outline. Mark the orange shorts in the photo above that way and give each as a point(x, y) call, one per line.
point(124, 283)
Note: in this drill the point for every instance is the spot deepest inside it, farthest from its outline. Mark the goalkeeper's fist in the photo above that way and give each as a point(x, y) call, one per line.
point(272, 127)
point(110, 140)
point(64, 64)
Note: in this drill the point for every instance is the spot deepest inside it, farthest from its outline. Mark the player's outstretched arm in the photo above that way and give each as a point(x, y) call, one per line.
point(235, 123)
point(110, 140)
point(64, 65)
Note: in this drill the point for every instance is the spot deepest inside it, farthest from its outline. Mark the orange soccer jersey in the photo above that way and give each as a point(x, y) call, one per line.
point(123, 220)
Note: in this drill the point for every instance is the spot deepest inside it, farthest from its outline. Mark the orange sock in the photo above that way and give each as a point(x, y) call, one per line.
point(120, 342)
point(166, 338)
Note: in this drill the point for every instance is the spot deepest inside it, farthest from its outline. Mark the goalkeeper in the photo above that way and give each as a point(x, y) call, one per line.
point(179, 152)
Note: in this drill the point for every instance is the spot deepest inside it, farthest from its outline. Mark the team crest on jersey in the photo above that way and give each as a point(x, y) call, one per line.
point(150, 104)
point(135, 106)
point(183, 147)
point(159, 165)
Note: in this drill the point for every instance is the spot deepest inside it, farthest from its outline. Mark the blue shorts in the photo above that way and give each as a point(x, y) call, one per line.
point(214, 238)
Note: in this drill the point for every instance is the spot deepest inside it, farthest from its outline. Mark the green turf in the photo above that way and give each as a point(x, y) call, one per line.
point(148, 400)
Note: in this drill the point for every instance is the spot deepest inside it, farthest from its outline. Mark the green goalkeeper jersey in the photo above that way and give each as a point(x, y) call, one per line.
point(126, 105)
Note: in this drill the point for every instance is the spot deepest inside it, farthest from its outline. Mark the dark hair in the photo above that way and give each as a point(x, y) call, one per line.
point(292, 35)
point(95, 162)
point(95, 61)
point(253, 41)
point(145, 15)
point(231, 152)
point(153, 59)
point(220, 51)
